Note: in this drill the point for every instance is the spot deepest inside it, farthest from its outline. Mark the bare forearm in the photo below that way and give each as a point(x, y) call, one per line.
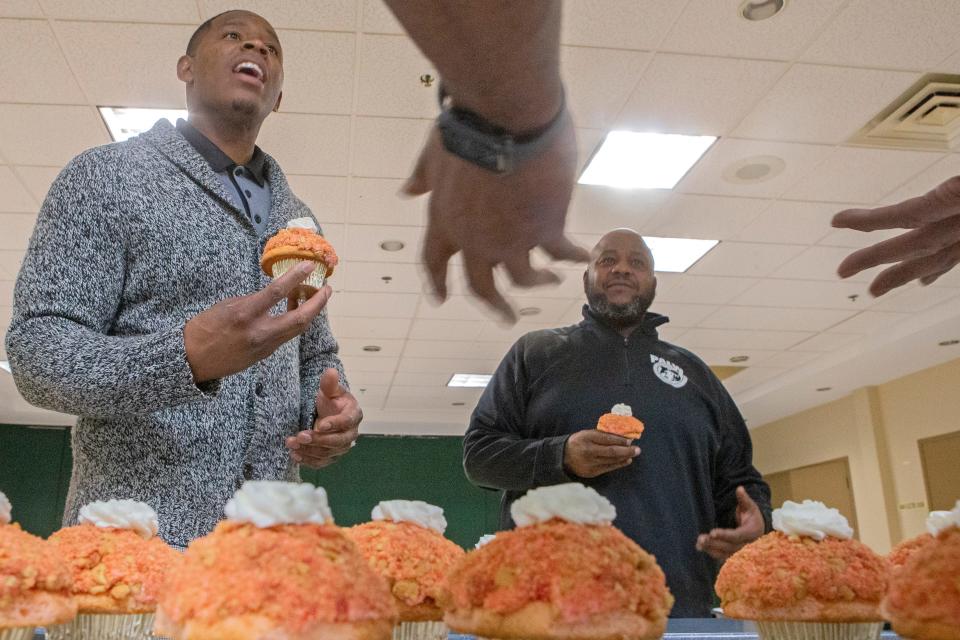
point(498, 58)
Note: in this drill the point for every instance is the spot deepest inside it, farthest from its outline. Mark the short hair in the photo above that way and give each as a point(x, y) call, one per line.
point(194, 41)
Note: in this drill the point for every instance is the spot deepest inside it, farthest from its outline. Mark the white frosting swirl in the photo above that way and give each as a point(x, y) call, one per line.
point(939, 521)
point(484, 539)
point(415, 511)
point(5, 509)
point(812, 519)
point(572, 502)
point(622, 410)
point(267, 503)
point(122, 514)
point(302, 223)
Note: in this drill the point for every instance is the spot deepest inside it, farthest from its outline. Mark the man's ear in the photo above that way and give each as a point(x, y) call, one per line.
point(276, 107)
point(185, 69)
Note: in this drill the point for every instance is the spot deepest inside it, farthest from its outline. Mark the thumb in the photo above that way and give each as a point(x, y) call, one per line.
point(418, 183)
point(330, 386)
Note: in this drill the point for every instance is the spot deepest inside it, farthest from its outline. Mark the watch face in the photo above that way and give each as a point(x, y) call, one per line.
point(490, 152)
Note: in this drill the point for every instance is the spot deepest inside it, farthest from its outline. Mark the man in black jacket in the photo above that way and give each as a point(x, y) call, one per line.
point(693, 496)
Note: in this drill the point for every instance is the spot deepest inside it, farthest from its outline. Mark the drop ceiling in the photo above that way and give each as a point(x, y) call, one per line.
point(796, 87)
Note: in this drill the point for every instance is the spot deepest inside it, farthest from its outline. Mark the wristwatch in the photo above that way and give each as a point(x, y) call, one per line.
point(467, 135)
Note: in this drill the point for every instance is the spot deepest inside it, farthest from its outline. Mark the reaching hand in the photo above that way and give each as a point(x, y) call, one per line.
point(927, 252)
point(335, 428)
point(237, 332)
point(496, 219)
point(590, 453)
point(723, 543)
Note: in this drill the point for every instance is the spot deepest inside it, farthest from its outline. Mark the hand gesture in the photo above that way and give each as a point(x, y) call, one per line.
point(590, 453)
point(723, 543)
point(334, 429)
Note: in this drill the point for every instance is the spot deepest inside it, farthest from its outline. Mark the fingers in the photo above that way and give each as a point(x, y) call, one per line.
point(281, 288)
point(418, 183)
point(294, 323)
point(744, 501)
point(926, 269)
point(941, 202)
point(603, 438)
point(480, 278)
point(917, 243)
point(716, 548)
point(564, 249)
point(330, 386)
point(524, 275)
point(437, 252)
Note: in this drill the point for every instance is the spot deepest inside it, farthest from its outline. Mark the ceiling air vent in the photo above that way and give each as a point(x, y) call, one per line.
point(926, 117)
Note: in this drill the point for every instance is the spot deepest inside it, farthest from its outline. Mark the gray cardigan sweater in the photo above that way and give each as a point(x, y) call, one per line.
point(133, 240)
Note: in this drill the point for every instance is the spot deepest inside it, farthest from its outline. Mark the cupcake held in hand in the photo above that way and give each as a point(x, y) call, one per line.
point(806, 580)
point(34, 581)
point(620, 421)
point(299, 242)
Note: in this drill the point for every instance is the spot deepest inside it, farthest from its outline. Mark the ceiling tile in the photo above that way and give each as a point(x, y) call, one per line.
point(455, 349)
point(494, 332)
point(683, 315)
point(744, 259)
point(20, 9)
point(144, 76)
point(427, 398)
point(309, 87)
point(387, 147)
point(889, 34)
point(370, 363)
point(709, 217)
point(48, 135)
point(353, 348)
point(820, 263)
point(735, 339)
point(17, 229)
point(716, 28)
point(870, 321)
point(309, 144)
point(174, 11)
point(389, 85)
point(691, 94)
point(790, 359)
point(39, 72)
point(721, 356)
point(370, 396)
point(325, 195)
point(411, 366)
point(752, 377)
point(599, 81)
point(704, 289)
point(370, 328)
point(827, 342)
point(588, 142)
point(329, 15)
point(569, 288)
point(425, 329)
point(789, 221)
point(9, 267)
point(374, 305)
point(368, 276)
point(806, 294)
point(858, 174)
point(707, 176)
point(424, 379)
point(621, 24)
point(377, 18)
point(15, 198)
point(367, 379)
point(596, 210)
point(914, 298)
point(855, 239)
point(774, 319)
point(813, 103)
point(932, 176)
point(378, 201)
point(37, 179)
point(363, 243)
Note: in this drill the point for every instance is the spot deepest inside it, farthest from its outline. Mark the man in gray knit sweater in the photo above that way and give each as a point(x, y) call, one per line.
point(141, 307)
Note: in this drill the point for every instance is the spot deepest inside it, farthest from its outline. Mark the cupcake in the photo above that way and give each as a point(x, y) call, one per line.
point(806, 580)
point(34, 582)
point(923, 601)
point(484, 540)
point(405, 545)
point(620, 421)
point(276, 569)
point(564, 573)
point(118, 565)
point(297, 243)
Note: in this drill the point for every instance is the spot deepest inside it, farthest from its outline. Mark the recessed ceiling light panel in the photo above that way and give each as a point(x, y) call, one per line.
point(127, 122)
point(676, 255)
point(634, 160)
point(475, 380)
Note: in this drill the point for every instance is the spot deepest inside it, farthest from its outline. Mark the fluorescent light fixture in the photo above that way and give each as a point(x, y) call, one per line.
point(5, 365)
point(477, 380)
point(126, 122)
point(676, 255)
point(634, 160)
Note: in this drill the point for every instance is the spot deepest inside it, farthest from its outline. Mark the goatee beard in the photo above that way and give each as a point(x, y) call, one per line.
point(243, 109)
point(618, 315)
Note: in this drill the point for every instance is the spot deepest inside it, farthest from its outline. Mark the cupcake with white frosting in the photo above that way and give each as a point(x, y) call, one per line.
point(34, 581)
point(277, 569)
point(565, 572)
point(404, 544)
point(806, 580)
point(118, 565)
point(300, 241)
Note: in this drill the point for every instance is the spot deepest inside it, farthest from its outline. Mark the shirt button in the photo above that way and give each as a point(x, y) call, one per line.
point(247, 470)
point(247, 191)
point(238, 171)
point(257, 218)
point(258, 389)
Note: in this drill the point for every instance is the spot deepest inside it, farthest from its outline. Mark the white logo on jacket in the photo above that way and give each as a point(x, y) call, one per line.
point(668, 372)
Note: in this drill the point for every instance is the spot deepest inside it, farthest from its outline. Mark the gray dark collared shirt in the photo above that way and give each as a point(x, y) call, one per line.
point(246, 185)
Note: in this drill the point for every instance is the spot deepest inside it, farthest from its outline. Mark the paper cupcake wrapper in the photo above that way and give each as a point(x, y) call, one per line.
point(819, 630)
point(420, 631)
point(20, 633)
point(315, 279)
point(105, 626)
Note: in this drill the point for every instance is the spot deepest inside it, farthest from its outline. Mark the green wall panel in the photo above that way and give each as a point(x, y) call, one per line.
point(35, 474)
